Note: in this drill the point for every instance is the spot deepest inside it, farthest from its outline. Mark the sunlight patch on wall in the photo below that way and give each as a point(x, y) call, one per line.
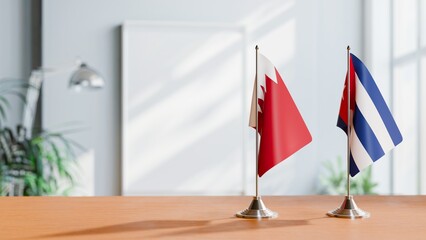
point(405, 113)
point(185, 109)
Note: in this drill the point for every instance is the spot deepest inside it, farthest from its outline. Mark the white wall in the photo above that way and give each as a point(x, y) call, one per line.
point(395, 59)
point(305, 39)
point(15, 47)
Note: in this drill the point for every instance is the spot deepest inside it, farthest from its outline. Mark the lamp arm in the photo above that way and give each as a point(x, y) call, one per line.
point(31, 100)
point(56, 70)
point(33, 93)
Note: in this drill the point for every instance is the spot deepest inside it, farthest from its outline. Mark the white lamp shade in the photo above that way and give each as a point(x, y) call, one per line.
point(86, 77)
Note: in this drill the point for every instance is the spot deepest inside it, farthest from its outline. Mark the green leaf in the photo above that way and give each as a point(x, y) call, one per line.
point(4, 101)
point(47, 162)
point(30, 180)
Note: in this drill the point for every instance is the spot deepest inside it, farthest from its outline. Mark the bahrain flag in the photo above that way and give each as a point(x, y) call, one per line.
point(281, 128)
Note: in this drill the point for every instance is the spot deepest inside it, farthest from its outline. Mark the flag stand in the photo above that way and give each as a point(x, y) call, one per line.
point(257, 208)
point(348, 209)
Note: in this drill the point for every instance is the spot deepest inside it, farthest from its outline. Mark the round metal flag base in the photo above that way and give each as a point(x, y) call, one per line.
point(257, 209)
point(348, 209)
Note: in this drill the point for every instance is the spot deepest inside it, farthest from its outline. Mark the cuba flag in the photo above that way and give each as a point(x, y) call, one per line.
point(373, 129)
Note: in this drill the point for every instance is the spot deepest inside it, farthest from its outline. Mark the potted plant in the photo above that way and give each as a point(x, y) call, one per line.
point(334, 181)
point(32, 166)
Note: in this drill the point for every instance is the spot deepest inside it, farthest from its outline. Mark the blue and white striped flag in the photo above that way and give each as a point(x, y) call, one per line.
point(373, 129)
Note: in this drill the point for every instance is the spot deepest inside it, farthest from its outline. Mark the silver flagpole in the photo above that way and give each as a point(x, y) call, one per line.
point(348, 148)
point(257, 208)
point(257, 122)
point(348, 209)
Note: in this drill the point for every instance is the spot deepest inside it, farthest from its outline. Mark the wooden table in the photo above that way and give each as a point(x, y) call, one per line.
point(392, 217)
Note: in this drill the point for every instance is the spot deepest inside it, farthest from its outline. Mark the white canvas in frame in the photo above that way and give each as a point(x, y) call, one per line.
point(182, 109)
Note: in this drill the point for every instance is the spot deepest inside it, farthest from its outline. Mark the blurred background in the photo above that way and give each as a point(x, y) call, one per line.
point(172, 115)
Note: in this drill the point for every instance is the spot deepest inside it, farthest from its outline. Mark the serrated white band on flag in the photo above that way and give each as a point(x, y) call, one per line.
point(372, 116)
point(253, 110)
point(264, 68)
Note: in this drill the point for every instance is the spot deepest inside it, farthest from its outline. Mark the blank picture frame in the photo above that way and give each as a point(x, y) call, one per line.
point(183, 108)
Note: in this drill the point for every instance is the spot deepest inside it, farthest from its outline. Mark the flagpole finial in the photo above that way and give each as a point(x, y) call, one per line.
point(348, 48)
point(257, 47)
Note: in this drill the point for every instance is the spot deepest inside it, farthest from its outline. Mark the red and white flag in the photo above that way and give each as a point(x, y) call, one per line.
point(281, 127)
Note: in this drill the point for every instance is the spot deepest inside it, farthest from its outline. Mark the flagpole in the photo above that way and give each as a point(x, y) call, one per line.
point(348, 209)
point(348, 90)
point(257, 208)
point(257, 124)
